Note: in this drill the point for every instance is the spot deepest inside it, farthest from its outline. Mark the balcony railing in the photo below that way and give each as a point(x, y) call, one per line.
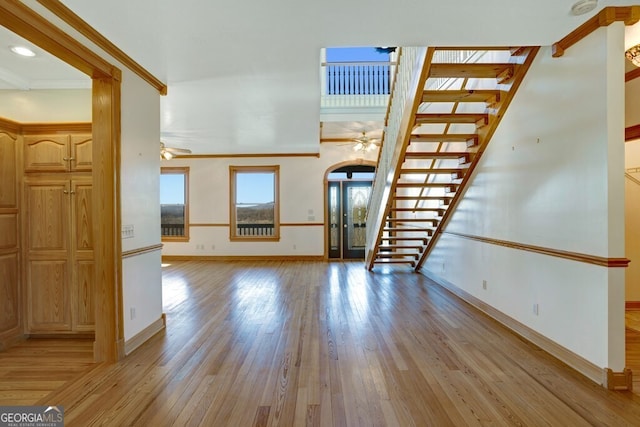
point(172, 229)
point(358, 78)
point(254, 229)
point(356, 84)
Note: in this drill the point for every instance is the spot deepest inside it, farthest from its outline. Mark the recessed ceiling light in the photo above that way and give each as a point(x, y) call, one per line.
point(583, 6)
point(22, 51)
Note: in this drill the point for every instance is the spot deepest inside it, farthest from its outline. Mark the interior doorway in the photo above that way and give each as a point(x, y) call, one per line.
point(348, 193)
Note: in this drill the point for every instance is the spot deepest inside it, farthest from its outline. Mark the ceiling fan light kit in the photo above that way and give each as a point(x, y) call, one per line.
point(633, 55)
point(364, 143)
point(168, 153)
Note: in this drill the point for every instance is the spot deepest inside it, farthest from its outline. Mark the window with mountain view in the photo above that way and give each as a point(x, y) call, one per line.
point(174, 206)
point(254, 203)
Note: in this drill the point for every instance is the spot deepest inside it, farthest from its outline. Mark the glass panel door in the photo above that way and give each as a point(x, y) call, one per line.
point(335, 223)
point(355, 198)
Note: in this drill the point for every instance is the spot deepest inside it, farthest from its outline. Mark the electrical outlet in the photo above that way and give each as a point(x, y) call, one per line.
point(535, 309)
point(213, 247)
point(295, 247)
point(484, 284)
point(443, 267)
point(132, 311)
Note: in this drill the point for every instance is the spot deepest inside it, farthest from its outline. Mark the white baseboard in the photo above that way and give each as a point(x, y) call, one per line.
point(142, 336)
point(580, 364)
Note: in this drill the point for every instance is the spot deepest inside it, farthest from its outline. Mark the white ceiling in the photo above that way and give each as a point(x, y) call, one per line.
point(43, 71)
point(243, 76)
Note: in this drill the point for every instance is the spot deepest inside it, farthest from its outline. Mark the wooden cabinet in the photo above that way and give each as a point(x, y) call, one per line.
point(11, 323)
point(57, 153)
point(59, 253)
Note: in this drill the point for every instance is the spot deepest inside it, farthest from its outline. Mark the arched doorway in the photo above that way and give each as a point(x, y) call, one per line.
point(348, 189)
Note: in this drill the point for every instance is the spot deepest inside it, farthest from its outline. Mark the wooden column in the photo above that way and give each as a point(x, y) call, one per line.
point(106, 207)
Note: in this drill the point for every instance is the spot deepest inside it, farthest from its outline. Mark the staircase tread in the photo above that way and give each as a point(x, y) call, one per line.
point(438, 153)
point(444, 171)
point(404, 238)
point(400, 209)
point(422, 118)
point(477, 70)
point(394, 261)
point(433, 220)
point(437, 137)
point(418, 198)
point(408, 230)
point(461, 95)
point(424, 184)
point(397, 255)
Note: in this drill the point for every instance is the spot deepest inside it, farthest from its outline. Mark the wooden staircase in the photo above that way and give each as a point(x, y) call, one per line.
point(458, 106)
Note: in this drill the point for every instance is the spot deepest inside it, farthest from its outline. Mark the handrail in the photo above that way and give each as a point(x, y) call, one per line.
point(632, 178)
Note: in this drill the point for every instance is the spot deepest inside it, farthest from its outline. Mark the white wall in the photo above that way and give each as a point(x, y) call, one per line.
point(551, 177)
point(46, 105)
point(301, 202)
point(140, 202)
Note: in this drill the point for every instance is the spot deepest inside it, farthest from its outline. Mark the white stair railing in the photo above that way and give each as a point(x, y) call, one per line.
point(410, 63)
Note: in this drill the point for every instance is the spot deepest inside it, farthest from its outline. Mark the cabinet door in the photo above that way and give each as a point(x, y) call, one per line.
point(81, 153)
point(49, 307)
point(82, 250)
point(46, 153)
point(81, 209)
point(8, 174)
point(47, 215)
point(84, 315)
point(47, 242)
point(9, 296)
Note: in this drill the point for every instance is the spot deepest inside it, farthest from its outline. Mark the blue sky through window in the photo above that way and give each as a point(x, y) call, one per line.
point(172, 189)
point(254, 187)
point(355, 54)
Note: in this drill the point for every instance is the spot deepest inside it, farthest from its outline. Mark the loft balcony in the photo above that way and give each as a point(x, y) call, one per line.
point(355, 90)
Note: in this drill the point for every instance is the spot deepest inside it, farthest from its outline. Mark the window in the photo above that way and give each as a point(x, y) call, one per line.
point(254, 205)
point(174, 203)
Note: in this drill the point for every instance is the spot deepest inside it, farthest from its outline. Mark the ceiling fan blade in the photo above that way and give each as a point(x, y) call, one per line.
point(178, 150)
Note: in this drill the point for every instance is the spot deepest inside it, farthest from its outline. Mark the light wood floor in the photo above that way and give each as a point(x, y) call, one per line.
point(322, 344)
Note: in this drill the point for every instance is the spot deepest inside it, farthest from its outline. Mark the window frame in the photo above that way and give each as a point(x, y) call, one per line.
point(233, 172)
point(178, 170)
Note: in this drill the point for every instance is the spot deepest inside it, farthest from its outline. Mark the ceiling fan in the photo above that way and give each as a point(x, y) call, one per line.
point(169, 152)
point(365, 144)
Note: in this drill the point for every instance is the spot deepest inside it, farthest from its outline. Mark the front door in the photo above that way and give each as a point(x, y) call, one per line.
point(347, 205)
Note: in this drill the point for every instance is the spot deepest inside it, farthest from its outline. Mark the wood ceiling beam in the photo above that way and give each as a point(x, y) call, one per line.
point(608, 15)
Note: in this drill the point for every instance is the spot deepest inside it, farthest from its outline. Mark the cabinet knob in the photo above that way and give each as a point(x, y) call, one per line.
point(66, 159)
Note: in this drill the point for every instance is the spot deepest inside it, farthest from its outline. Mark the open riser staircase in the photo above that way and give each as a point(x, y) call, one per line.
point(446, 105)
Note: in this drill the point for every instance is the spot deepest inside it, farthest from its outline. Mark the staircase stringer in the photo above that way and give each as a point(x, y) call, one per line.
point(485, 135)
point(410, 108)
